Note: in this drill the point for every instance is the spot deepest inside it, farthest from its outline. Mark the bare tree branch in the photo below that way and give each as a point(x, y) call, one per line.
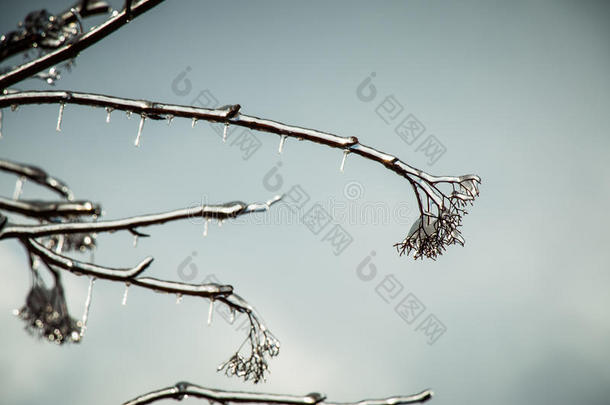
point(185, 389)
point(441, 211)
point(73, 49)
point(38, 176)
point(46, 31)
point(47, 210)
point(220, 212)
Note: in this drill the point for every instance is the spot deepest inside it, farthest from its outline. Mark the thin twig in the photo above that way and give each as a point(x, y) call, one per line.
point(220, 212)
point(185, 389)
point(37, 175)
point(47, 210)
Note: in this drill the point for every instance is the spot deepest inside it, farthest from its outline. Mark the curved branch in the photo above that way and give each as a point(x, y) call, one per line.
point(448, 207)
point(183, 389)
point(71, 50)
point(46, 210)
point(37, 175)
point(220, 212)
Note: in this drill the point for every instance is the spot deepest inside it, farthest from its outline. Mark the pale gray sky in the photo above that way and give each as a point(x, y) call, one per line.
point(517, 92)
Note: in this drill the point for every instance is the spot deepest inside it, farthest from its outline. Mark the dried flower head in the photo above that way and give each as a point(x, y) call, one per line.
point(253, 366)
point(437, 227)
point(46, 314)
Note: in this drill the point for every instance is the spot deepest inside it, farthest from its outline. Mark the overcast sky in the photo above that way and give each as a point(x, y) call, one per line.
point(517, 92)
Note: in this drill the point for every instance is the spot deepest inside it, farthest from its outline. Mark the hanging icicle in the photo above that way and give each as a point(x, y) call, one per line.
point(135, 241)
point(87, 306)
point(169, 118)
point(124, 302)
point(178, 298)
point(345, 153)
point(232, 318)
point(108, 111)
point(18, 187)
point(193, 122)
point(224, 133)
point(140, 127)
point(0, 124)
point(128, 114)
point(60, 116)
point(205, 227)
point(14, 107)
point(210, 311)
point(282, 142)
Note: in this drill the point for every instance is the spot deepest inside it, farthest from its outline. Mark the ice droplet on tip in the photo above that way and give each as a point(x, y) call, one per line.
point(140, 127)
point(282, 142)
point(128, 114)
point(60, 116)
point(345, 153)
point(108, 111)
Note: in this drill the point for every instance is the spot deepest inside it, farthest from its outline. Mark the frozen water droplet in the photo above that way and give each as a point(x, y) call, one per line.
point(345, 153)
point(14, 107)
point(179, 298)
point(282, 142)
point(124, 302)
point(60, 116)
point(135, 240)
point(210, 312)
point(169, 118)
point(193, 122)
point(128, 114)
point(224, 133)
point(205, 227)
point(60, 244)
point(140, 127)
point(108, 111)
point(87, 306)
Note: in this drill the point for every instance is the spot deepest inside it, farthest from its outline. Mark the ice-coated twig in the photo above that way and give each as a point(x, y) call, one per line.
point(48, 30)
point(50, 209)
point(448, 195)
point(222, 211)
point(185, 389)
point(38, 176)
point(73, 48)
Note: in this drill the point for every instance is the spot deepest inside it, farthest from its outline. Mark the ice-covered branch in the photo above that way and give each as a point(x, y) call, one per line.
point(37, 175)
point(220, 212)
point(185, 389)
point(73, 48)
point(47, 210)
point(441, 200)
point(42, 30)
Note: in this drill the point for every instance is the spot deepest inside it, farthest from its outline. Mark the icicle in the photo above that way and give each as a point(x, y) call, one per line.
point(60, 244)
point(220, 221)
point(135, 240)
point(205, 227)
point(282, 141)
point(193, 122)
point(210, 312)
point(87, 306)
point(179, 298)
point(124, 302)
point(224, 133)
point(60, 116)
point(142, 119)
point(0, 124)
point(128, 114)
point(14, 107)
point(345, 152)
point(169, 118)
point(18, 187)
point(108, 111)
point(232, 319)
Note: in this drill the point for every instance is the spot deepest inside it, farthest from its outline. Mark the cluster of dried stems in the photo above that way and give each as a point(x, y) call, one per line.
point(63, 226)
